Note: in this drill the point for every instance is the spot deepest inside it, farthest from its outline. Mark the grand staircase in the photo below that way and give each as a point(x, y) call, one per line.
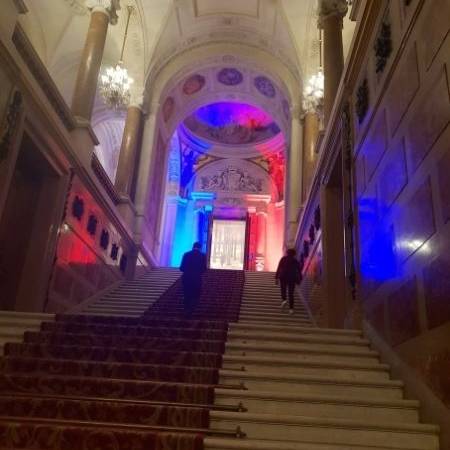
point(132, 372)
point(307, 387)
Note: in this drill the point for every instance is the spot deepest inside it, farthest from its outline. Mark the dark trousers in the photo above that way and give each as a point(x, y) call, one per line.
point(192, 289)
point(288, 287)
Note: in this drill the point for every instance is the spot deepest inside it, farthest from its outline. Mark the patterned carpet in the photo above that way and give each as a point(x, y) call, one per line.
point(104, 383)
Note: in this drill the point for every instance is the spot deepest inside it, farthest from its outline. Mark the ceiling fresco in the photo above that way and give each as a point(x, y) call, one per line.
point(232, 124)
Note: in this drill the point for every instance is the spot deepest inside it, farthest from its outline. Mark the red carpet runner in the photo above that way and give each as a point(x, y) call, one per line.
point(96, 382)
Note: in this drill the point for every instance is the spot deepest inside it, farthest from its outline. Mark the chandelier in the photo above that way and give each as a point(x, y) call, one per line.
point(313, 93)
point(115, 82)
point(314, 90)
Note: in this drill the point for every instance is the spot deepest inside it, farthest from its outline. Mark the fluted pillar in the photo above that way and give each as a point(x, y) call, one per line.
point(331, 13)
point(103, 12)
point(293, 177)
point(131, 138)
point(311, 124)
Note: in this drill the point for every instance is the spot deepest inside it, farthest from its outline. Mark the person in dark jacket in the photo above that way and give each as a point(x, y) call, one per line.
point(288, 275)
point(193, 265)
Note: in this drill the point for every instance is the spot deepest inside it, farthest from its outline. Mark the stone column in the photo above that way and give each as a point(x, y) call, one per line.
point(331, 13)
point(131, 138)
point(170, 220)
point(293, 177)
point(103, 12)
point(311, 126)
point(143, 175)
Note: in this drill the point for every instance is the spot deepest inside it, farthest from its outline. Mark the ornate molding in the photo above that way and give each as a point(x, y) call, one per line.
point(12, 119)
point(383, 45)
point(104, 179)
point(362, 100)
point(41, 75)
point(20, 6)
point(78, 7)
point(347, 148)
point(109, 6)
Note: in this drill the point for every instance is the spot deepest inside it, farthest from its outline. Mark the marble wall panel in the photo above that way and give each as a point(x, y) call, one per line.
point(393, 177)
point(377, 318)
point(436, 371)
point(429, 120)
point(415, 221)
point(403, 313)
point(444, 184)
point(374, 146)
point(436, 279)
point(404, 86)
point(435, 26)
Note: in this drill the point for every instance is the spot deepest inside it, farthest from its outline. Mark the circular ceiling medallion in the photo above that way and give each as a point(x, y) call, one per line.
point(264, 86)
point(230, 76)
point(193, 84)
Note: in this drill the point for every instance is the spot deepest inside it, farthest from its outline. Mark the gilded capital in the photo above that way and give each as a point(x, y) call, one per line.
point(329, 8)
point(110, 7)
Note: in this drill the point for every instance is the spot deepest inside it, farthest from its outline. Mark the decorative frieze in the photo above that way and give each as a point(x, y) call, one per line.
point(383, 45)
point(362, 100)
point(104, 239)
point(92, 225)
point(78, 208)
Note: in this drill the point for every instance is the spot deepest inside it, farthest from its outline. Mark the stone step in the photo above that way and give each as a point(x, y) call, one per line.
point(305, 355)
point(328, 430)
point(218, 443)
point(245, 344)
point(367, 409)
point(299, 365)
point(300, 315)
point(374, 372)
point(288, 321)
point(26, 315)
point(300, 335)
point(323, 385)
point(19, 323)
point(248, 326)
point(132, 295)
point(271, 309)
point(132, 303)
point(112, 312)
point(17, 331)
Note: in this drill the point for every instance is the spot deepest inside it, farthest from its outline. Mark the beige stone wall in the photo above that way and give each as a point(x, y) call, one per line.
point(401, 109)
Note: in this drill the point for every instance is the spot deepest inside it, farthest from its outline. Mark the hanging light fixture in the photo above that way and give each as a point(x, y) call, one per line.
point(115, 82)
point(313, 92)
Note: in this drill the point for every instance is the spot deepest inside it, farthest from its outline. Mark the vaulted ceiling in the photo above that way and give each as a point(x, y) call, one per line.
point(161, 29)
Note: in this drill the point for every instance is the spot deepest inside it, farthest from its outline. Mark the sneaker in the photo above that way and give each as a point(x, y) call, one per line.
point(291, 311)
point(284, 303)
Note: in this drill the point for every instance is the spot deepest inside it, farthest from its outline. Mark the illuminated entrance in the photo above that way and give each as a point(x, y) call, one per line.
point(228, 244)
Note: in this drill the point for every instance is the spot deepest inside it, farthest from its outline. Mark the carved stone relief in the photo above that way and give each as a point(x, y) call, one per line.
point(231, 179)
